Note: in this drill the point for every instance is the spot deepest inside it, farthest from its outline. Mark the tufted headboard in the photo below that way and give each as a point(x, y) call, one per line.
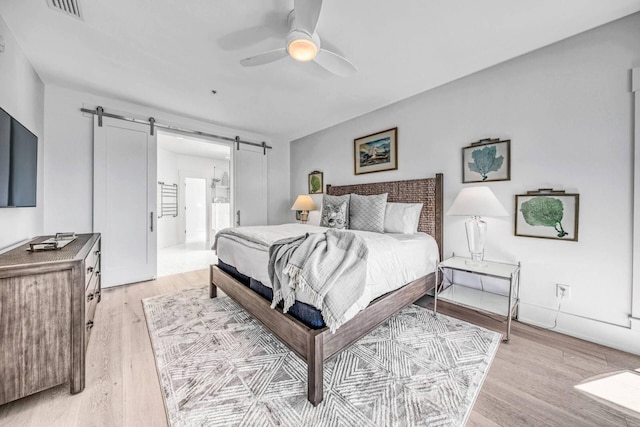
point(427, 191)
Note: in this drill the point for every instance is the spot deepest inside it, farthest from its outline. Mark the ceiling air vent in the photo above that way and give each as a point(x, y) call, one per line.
point(68, 7)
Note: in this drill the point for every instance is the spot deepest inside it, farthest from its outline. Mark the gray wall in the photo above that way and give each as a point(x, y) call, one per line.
point(568, 112)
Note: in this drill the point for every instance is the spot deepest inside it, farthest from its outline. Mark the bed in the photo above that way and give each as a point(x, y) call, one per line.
point(316, 343)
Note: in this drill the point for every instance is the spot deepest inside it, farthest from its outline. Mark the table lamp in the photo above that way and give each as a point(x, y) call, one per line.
point(476, 202)
point(304, 204)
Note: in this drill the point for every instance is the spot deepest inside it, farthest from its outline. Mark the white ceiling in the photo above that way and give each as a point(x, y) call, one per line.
point(169, 54)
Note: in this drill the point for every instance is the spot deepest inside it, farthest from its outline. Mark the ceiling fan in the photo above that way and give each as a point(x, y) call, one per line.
point(303, 43)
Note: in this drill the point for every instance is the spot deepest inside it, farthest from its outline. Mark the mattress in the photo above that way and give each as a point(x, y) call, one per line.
point(394, 259)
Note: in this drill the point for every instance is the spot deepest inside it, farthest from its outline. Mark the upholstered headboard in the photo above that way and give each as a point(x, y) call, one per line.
point(427, 191)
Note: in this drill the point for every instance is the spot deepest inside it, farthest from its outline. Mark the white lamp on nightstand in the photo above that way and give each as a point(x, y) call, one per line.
point(304, 203)
point(476, 202)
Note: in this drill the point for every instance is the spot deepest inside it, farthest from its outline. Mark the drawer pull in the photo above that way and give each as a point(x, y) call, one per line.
point(90, 297)
point(97, 273)
point(97, 253)
point(89, 325)
point(89, 270)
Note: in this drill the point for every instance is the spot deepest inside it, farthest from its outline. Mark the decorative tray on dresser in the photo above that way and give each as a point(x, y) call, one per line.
point(47, 303)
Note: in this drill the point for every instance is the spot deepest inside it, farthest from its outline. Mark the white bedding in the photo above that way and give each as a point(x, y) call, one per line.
point(394, 259)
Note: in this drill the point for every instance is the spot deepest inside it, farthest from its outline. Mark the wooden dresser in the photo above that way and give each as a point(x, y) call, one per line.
point(47, 303)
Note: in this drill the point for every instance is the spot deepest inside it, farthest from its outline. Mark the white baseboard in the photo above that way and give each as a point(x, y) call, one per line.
point(619, 337)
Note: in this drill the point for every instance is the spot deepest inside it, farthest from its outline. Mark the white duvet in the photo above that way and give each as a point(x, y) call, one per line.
point(394, 259)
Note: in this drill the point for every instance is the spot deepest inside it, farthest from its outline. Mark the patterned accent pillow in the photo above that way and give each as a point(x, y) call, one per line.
point(367, 212)
point(334, 215)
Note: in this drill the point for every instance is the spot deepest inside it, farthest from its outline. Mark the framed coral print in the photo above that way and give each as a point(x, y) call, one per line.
point(376, 152)
point(315, 182)
point(487, 160)
point(548, 214)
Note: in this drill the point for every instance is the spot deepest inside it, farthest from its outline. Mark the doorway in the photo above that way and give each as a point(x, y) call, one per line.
point(195, 209)
point(198, 168)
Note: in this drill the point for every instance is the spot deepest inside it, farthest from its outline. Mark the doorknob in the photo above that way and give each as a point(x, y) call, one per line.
point(238, 220)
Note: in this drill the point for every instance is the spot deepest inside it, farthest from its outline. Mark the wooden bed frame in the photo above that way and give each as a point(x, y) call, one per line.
point(314, 346)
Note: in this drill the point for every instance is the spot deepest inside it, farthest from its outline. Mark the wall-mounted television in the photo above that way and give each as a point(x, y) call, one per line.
point(18, 163)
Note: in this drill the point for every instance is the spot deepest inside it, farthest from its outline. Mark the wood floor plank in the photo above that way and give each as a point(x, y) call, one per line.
point(534, 405)
point(143, 403)
point(530, 382)
point(105, 387)
point(503, 413)
point(548, 387)
point(478, 420)
point(59, 407)
point(20, 412)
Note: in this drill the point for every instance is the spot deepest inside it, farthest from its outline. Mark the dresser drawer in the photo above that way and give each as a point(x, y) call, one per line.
point(88, 324)
point(92, 263)
point(92, 293)
point(92, 296)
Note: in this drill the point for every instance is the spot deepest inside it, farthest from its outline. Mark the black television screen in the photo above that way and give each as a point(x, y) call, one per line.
point(18, 163)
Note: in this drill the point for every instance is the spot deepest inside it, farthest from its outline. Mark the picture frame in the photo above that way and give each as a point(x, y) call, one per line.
point(376, 152)
point(316, 182)
point(547, 214)
point(487, 160)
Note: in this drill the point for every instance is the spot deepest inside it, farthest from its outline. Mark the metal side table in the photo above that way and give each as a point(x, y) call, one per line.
point(479, 299)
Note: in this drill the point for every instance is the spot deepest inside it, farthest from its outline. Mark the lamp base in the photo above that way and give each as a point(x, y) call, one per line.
point(476, 234)
point(304, 216)
point(476, 261)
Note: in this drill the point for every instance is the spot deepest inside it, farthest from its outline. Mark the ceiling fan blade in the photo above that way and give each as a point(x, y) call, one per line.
point(307, 13)
point(335, 63)
point(264, 58)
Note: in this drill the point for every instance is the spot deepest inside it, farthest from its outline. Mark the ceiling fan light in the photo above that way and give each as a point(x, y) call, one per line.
point(302, 50)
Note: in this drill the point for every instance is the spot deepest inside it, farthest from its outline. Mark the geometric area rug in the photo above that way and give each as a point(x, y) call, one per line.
point(220, 367)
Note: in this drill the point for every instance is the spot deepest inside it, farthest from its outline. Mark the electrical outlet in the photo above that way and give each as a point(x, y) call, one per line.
point(563, 291)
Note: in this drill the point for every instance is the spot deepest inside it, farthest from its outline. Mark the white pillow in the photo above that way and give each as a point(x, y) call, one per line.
point(314, 217)
point(402, 217)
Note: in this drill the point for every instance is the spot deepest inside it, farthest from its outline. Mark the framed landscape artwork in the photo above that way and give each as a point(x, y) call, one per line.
point(377, 152)
point(487, 160)
point(315, 182)
point(548, 214)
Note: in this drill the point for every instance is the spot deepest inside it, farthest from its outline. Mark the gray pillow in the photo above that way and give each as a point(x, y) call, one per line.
point(367, 212)
point(333, 204)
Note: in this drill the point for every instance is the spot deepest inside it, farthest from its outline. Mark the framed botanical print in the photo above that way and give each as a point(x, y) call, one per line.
point(315, 183)
point(376, 152)
point(486, 160)
point(548, 214)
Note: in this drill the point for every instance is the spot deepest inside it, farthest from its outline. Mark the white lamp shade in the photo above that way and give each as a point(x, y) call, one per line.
point(303, 203)
point(477, 201)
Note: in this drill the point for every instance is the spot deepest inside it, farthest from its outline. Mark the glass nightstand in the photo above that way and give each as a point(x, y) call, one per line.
point(479, 299)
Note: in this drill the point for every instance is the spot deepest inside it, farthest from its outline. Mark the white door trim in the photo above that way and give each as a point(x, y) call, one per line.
point(635, 291)
point(182, 223)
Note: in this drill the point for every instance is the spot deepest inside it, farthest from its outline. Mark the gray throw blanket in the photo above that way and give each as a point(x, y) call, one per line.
point(330, 267)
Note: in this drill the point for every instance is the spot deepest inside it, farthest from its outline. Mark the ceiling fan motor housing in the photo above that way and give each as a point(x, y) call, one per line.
point(302, 46)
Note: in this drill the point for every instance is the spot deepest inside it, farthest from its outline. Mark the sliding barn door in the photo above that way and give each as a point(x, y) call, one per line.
point(124, 200)
point(250, 171)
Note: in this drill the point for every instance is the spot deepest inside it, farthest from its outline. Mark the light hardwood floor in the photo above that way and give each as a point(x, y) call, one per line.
point(530, 381)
